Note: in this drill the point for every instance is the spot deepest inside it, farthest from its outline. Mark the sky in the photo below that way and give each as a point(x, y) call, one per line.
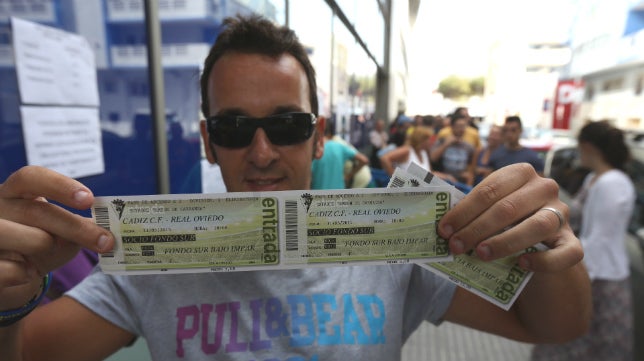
point(453, 37)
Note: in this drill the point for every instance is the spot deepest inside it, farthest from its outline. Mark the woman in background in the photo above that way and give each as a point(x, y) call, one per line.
point(494, 140)
point(415, 149)
point(608, 198)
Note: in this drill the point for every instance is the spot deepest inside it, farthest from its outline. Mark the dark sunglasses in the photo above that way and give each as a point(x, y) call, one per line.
point(237, 131)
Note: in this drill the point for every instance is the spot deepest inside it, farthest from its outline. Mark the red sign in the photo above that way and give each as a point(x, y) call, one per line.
point(568, 96)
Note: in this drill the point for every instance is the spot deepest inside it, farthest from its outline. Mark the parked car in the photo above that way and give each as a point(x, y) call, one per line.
point(562, 165)
point(543, 140)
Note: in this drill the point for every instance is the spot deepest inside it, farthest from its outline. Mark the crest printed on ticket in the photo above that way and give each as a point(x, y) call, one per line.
point(499, 281)
point(272, 230)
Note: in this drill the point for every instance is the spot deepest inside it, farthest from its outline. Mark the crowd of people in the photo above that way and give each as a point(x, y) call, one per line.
point(449, 146)
point(452, 149)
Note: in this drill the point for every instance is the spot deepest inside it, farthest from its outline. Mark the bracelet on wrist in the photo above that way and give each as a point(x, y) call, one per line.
point(10, 317)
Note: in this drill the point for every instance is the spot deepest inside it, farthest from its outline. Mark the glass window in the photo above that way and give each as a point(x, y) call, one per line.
point(312, 21)
point(353, 87)
point(639, 84)
point(115, 32)
point(370, 25)
point(121, 174)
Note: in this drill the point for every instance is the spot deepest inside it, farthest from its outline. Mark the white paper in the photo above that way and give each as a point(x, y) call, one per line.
point(64, 139)
point(54, 67)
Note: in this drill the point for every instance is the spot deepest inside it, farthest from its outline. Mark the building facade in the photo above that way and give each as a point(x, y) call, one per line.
point(607, 42)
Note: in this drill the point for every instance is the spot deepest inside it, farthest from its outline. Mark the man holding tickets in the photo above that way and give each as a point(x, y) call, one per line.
point(259, 97)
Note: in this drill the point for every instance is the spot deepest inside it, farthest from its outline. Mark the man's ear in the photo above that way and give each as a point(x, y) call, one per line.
point(318, 142)
point(208, 148)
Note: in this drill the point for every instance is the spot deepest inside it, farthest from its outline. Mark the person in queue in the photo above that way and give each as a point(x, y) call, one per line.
point(415, 150)
point(455, 157)
point(259, 74)
point(328, 171)
point(605, 204)
point(511, 151)
point(494, 141)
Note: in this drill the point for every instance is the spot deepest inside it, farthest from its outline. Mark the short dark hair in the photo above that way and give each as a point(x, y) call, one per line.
point(329, 128)
point(429, 120)
point(254, 34)
point(608, 140)
point(458, 110)
point(514, 119)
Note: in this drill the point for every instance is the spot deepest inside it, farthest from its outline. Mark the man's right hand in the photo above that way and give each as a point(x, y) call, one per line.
point(37, 236)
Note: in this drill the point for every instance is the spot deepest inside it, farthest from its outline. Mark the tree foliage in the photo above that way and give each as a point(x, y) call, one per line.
point(455, 87)
point(477, 85)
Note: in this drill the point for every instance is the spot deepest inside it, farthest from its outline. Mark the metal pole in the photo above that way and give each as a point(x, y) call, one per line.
point(287, 14)
point(383, 85)
point(332, 72)
point(157, 96)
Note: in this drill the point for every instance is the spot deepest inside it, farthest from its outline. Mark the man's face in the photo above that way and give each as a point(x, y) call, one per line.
point(458, 129)
point(511, 133)
point(258, 86)
point(495, 137)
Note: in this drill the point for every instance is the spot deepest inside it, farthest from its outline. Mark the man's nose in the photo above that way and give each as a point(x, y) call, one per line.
point(262, 153)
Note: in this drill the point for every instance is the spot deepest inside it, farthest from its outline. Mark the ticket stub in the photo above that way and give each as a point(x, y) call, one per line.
point(499, 281)
point(272, 230)
point(417, 176)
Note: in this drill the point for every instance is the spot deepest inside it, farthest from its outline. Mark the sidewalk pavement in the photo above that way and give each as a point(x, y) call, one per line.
point(451, 342)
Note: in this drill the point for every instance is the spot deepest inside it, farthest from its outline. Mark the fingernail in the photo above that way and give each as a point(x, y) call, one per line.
point(456, 245)
point(80, 196)
point(102, 242)
point(484, 252)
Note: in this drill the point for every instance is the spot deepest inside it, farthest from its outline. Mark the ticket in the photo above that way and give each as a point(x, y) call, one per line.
point(499, 281)
point(272, 230)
